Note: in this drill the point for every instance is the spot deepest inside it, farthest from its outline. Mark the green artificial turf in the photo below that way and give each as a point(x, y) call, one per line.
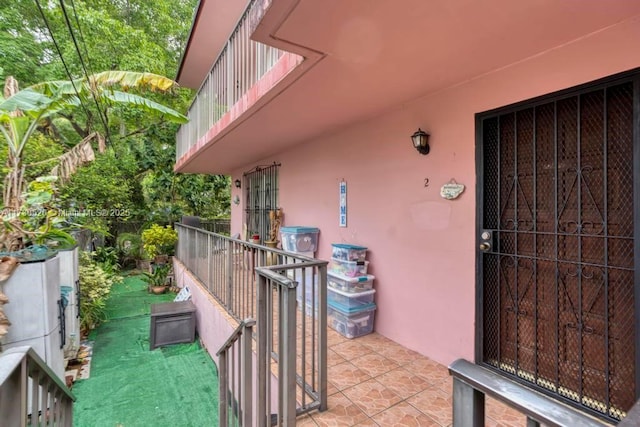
point(130, 385)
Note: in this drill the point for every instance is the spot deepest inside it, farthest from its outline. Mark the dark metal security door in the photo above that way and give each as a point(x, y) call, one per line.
point(556, 245)
point(261, 191)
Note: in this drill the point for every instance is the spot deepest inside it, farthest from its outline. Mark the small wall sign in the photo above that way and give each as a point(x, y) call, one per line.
point(343, 204)
point(183, 295)
point(451, 190)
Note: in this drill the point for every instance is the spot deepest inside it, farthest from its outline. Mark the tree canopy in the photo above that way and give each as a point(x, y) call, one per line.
point(135, 172)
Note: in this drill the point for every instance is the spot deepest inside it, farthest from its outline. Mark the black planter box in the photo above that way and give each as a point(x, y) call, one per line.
point(172, 323)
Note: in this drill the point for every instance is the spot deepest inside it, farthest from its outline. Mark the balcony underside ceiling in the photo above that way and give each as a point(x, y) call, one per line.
point(378, 54)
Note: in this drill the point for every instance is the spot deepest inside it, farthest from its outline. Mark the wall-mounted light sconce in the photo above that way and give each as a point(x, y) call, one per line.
point(237, 183)
point(421, 141)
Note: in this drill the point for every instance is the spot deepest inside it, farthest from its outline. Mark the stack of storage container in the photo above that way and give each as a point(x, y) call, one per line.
point(350, 306)
point(302, 241)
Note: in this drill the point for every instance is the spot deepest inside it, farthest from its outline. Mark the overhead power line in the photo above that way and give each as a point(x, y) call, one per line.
point(66, 68)
point(101, 114)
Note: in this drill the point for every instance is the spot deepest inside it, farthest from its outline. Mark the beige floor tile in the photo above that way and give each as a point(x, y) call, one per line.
point(375, 341)
point(445, 385)
point(334, 338)
point(503, 414)
point(404, 415)
point(374, 364)
point(345, 375)
point(435, 403)
point(351, 350)
point(403, 382)
point(431, 371)
point(331, 388)
point(372, 397)
point(490, 422)
point(397, 353)
point(368, 423)
point(341, 412)
point(334, 358)
point(305, 421)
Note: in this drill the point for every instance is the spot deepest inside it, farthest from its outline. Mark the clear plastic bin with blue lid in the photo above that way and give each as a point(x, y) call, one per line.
point(351, 323)
point(299, 238)
point(350, 300)
point(348, 268)
point(349, 284)
point(347, 252)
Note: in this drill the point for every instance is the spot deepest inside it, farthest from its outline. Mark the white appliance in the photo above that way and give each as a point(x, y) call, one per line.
point(70, 290)
point(35, 310)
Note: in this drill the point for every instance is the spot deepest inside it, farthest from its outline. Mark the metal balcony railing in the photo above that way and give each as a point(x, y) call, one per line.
point(235, 363)
point(30, 393)
point(241, 63)
point(286, 294)
point(472, 382)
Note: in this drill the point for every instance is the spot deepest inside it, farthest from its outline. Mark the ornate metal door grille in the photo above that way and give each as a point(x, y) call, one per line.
point(261, 193)
point(557, 267)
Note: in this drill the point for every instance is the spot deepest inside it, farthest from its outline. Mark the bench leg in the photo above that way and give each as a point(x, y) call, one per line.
point(468, 405)
point(532, 423)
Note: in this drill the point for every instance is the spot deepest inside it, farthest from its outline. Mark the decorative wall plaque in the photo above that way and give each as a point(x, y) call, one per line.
point(451, 190)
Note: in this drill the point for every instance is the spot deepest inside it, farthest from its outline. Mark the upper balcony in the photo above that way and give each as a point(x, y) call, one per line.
point(312, 68)
point(244, 71)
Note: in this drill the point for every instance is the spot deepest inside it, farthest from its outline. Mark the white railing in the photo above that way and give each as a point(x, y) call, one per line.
point(30, 393)
point(241, 63)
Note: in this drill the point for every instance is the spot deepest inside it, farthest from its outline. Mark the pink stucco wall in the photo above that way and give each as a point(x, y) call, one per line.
point(422, 247)
point(213, 325)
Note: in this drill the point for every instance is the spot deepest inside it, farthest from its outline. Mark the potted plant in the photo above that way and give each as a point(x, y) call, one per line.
point(159, 242)
point(157, 280)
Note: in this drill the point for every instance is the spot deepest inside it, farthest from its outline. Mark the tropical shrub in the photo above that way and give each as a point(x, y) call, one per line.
point(95, 285)
point(158, 240)
point(107, 258)
point(159, 275)
point(129, 247)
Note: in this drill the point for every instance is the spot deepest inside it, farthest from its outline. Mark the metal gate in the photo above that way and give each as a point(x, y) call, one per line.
point(557, 253)
point(261, 192)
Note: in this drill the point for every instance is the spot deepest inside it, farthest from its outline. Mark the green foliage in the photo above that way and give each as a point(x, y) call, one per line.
point(169, 195)
point(102, 192)
point(21, 53)
point(129, 247)
point(40, 215)
point(95, 285)
point(107, 258)
point(137, 177)
point(158, 240)
point(159, 275)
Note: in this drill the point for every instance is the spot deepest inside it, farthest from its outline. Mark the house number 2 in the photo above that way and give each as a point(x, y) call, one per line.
point(426, 182)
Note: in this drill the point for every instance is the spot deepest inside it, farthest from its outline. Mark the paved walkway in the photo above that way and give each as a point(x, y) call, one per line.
point(132, 386)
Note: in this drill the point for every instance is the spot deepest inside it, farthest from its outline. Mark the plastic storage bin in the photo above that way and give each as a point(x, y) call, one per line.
point(299, 239)
point(350, 300)
point(351, 323)
point(348, 268)
point(310, 293)
point(350, 284)
point(348, 252)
